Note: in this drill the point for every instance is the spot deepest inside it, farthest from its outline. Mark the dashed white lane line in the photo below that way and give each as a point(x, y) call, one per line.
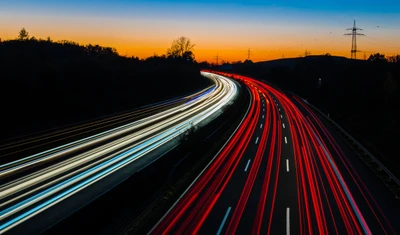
point(257, 140)
point(247, 165)
point(285, 140)
point(283, 124)
point(224, 221)
point(261, 126)
point(287, 221)
point(263, 116)
point(287, 165)
point(281, 116)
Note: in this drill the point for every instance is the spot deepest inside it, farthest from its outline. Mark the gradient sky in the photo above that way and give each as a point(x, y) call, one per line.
point(271, 29)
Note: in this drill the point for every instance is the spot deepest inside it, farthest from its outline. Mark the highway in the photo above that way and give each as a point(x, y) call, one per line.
point(35, 184)
point(283, 172)
point(21, 147)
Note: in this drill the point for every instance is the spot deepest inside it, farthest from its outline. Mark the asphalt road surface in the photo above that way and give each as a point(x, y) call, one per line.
point(283, 172)
point(40, 189)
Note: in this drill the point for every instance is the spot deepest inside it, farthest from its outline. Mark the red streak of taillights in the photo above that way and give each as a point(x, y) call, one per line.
point(212, 182)
point(316, 176)
point(353, 173)
point(234, 222)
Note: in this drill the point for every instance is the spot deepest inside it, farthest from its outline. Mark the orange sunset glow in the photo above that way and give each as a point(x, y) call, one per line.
point(269, 32)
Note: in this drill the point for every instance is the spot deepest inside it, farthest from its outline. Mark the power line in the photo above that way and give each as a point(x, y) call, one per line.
point(354, 35)
point(217, 57)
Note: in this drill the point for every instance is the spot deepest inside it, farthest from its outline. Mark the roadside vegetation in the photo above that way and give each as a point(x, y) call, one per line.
point(47, 84)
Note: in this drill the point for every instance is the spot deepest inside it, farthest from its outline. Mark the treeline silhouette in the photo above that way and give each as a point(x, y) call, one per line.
point(46, 84)
point(361, 95)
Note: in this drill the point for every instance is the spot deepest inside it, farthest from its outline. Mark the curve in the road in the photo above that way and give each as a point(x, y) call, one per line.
point(283, 171)
point(29, 195)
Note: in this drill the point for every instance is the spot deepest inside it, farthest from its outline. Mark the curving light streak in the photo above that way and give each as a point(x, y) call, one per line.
point(29, 195)
point(325, 201)
point(189, 214)
point(145, 111)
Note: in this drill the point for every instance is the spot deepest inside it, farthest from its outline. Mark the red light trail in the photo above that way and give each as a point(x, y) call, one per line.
point(330, 196)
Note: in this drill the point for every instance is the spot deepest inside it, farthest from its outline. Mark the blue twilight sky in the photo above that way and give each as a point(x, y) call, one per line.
point(271, 28)
point(367, 6)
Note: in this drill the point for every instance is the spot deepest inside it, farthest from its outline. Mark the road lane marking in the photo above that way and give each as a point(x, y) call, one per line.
point(283, 124)
point(287, 165)
point(263, 109)
point(260, 126)
point(287, 221)
point(247, 165)
point(281, 116)
point(285, 140)
point(263, 116)
point(279, 109)
point(223, 221)
point(257, 140)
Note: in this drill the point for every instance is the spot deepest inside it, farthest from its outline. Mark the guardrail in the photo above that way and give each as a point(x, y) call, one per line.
point(389, 179)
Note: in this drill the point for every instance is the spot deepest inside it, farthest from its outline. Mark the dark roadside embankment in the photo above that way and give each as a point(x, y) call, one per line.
point(46, 84)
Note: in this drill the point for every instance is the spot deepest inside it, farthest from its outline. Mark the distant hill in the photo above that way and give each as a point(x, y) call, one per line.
point(362, 95)
point(292, 62)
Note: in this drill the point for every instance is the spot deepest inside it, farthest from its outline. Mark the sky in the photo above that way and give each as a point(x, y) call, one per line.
point(270, 29)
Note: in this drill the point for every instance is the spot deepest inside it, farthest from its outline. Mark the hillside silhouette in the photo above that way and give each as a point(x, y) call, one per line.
point(363, 96)
point(46, 84)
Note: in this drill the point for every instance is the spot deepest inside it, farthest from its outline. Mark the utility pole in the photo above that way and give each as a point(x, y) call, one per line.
point(354, 35)
point(216, 57)
point(248, 54)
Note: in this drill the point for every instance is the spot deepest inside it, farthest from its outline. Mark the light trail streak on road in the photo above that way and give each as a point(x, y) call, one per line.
point(30, 194)
point(322, 189)
point(32, 142)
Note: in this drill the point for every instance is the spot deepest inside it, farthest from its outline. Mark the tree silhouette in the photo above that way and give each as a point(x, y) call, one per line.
point(181, 48)
point(56, 78)
point(394, 59)
point(23, 35)
point(377, 57)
